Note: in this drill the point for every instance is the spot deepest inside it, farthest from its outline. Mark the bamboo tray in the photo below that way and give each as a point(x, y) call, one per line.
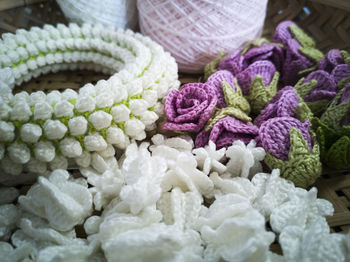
point(327, 21)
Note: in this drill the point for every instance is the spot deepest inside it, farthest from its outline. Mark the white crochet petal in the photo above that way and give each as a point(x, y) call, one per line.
point(8, 195)
point(8, 218)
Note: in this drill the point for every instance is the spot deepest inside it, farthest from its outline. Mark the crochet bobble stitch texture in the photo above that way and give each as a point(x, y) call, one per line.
point(39, 130)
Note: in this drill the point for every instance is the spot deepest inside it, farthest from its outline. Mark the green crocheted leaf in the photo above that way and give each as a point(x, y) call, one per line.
point(221, 113)
point(303, 111)
point(302, 88)
point(211, 68)
point(235, 98)
point(346, 56)
point(303, 167)
point(317, 107)
point(342, 83)
point(260, 95)
point(334, 115)
point(314, 55)
point(304, 39)
point(338, 156)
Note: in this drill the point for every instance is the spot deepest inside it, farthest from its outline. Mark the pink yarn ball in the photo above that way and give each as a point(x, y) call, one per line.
point(194, 31)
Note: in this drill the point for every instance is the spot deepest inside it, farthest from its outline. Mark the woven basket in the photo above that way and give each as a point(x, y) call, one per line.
point(327, 21)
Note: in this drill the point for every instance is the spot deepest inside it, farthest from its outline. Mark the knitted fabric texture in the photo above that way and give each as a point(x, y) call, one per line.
point(39, 130)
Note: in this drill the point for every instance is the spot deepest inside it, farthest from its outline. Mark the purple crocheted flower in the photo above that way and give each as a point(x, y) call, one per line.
point(326, 88)
point(235, 63)
point(294, 62)
point(226, 131)
point(331, 60)
point(340, 72)
point(263, 68)
point(274, 135)
point(189, 108)
point(282, 33)
point(215, 82)
point(270, 52)
point(284, 103)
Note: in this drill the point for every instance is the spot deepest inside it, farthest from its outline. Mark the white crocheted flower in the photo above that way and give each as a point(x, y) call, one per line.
point(77, 125)
point(30, 133)
point(180, 143)
point(104, 100)
point(116, 136)
point(10, 167)
point(120, 113)
point(148, 117)
point(233, 231)
point(19, 153)
point(53, 97)
point(35, 166)
point(7, 131)
point(70, 147)
point(44, 151)
point(302, 207)
point(272, 191)
point(143, 175)
point(208, 158)
point(59, 199)
point(313, 244)
point(36, 97)
point(85, 103)
point(7, 77)
point(54, 129)
point(63, 109)
point(59, 162)
point(20, 111)
point(42, 111)
point(69, 94)
point(94, 142)
point(135, 129)
point(150, 96)
point(138, 106)
point(5, 110)
point(100, 119)
point(8, 218)
point(244, 160)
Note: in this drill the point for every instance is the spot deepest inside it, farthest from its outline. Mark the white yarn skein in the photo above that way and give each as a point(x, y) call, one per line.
point(115, 13)
point(194, 31)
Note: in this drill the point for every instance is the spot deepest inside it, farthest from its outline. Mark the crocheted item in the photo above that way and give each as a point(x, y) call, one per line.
point(189, 108)
point(333, 131)
point(288, 144)
point(226, 131)
point(284, 103)
point(333, 58)
point(41, 129)
point(211, 67)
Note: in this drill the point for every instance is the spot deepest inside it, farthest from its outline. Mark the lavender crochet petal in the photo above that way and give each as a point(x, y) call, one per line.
point(341, 72)
point(263, 68)
point(331, 60)
point(190, 108)
point(229, 129)
point(202, 139)
point(234, 63)
point(282, 33)
point(294, 63)
point(274, 135)
point(215, 82)
point(326, 87)
point(271, 52)
point(284, 103)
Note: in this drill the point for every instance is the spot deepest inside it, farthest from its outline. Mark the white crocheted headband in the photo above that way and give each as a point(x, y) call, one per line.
point(41, 129)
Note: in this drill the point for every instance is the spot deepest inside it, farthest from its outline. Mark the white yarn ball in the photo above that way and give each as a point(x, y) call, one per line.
point(194, 31)
point(115, 13)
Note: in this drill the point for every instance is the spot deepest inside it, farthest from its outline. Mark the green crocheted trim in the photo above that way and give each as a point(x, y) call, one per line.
point(236, 106)
point(211, 68)
point(260, 94)
point(303, 167)
point(334, 114)
point(346, 56)
point(301, 36)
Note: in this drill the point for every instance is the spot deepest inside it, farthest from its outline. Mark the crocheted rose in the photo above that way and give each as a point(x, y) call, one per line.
point(288, 145)
point(284, 103)
point(333, 131)
point(301, 54)
point(317, 90)
point(226, 131)
point(333, 58)
point(215, 82)
point(189, 108)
